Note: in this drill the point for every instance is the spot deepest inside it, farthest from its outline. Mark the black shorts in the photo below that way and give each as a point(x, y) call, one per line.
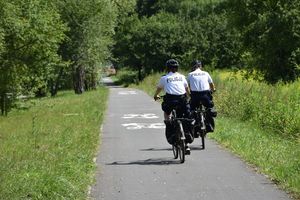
point(203, 97)
point(178, 102)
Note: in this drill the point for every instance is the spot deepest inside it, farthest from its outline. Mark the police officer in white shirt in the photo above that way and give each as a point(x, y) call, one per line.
point(176, 87)
point(202, 86)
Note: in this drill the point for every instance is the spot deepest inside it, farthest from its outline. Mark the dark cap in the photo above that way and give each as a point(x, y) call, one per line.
point(172, 63)
point(196, 63)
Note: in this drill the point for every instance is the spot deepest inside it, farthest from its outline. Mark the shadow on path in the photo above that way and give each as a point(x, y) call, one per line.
point(157, 149)
point(193, 148)
point(151, 161)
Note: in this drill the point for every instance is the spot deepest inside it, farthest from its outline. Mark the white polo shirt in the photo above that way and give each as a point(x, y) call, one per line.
point(199, 80)
point(173, 83)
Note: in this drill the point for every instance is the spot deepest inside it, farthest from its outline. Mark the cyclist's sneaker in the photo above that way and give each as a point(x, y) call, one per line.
point(187, 150)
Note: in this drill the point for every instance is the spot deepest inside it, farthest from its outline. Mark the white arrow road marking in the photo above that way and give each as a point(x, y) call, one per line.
point(140, 116)
point(135, 126)
point(127, 92)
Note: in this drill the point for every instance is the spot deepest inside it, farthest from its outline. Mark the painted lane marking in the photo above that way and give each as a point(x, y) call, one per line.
point(140, 116)
point(135, 126)
point(127, 92)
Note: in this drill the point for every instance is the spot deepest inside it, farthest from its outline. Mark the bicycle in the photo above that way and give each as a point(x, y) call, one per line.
point(179, 146)
point(200, 126)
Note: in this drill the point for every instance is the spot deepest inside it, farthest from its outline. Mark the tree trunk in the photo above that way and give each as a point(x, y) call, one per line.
point(78, 79)
point(94, 81)
point(41, 92)
point(54, 85)
point(2, 103)
point(140, 73)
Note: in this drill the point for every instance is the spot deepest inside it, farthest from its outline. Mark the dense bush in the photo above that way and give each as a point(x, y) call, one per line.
point(271, 34)
point(275, 107)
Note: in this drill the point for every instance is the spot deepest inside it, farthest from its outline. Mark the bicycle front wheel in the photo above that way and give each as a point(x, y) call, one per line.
point(181, 151)
point(203, 141)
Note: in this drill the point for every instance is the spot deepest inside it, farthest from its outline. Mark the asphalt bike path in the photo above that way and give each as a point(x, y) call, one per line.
point(135, 162)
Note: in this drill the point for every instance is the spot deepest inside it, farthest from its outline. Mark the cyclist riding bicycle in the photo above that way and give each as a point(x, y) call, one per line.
point(176, 88)
point(202, 86)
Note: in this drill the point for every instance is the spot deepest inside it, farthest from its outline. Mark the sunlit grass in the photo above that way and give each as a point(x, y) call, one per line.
point(275, 107)
point(268, 152)
point(47, 151)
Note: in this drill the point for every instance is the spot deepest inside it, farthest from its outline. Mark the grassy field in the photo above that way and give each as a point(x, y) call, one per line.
point(47, 151)
point(259, 122)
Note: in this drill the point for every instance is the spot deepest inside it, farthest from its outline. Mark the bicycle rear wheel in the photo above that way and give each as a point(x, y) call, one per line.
point(203, 134)
point(175, 151)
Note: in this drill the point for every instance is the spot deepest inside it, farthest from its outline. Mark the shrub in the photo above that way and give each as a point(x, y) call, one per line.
point(275, 107)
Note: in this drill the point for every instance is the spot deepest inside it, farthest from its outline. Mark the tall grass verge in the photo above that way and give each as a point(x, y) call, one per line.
point(275, 107)
point(47, 151)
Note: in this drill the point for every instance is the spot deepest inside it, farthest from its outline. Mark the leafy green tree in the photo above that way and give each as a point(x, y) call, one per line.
point(147, 7)
point(209, 35)
point(30, 33)
point(184, 29)
point(146, 44)
point(91, 27)
point(271, 36)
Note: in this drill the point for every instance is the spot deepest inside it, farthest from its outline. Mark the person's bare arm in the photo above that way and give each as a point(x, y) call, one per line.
point(158, 90)
point(212, 87)
point(188, 92)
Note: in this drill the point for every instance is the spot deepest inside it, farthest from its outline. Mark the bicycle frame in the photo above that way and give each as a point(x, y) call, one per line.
point(179, 146)
point(200, 117)
point(200, 113)
point(180, 132)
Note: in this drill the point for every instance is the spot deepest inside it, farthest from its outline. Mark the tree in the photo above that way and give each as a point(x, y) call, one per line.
point(91, 27)
point(184, 29)
point(146, 44)
point(30, 32)
point(271, 36)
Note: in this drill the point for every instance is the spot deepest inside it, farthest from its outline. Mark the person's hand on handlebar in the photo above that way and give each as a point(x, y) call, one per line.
point(156, 97)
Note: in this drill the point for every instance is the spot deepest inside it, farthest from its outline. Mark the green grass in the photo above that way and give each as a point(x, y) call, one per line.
point(265, 151)
point(275, 107)
point(257, 121)
point(47, 151)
